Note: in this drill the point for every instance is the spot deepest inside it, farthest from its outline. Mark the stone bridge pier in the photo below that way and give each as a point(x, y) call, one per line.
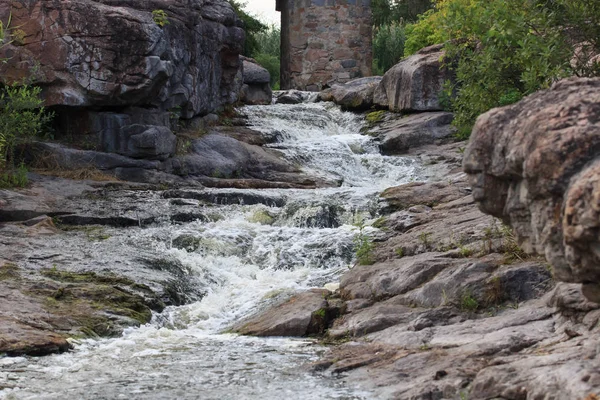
point(324, 42)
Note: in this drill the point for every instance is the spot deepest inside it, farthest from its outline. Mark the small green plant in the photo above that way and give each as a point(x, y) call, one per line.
point(465, 252)
point(14, 178)
point(363, 245)
point(399, 251)
point(379, 223)
point(468, 302)
point(160, 18)
point(510, 247)
point(18, 37)
point(321, 312)
point(424, 238)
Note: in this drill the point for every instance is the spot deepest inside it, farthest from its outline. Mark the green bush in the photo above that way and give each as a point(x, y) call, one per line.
point(425, 32)
point(502, 50)
point(388, 46)
point(160, 18)
point(252, 27)
point(388, 11)
point(22, 116)
point(271, 64)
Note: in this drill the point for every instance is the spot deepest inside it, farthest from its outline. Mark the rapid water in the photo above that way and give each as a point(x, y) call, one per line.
point(244, 258)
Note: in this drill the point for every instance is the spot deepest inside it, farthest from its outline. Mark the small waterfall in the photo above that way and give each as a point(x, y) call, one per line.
point(244, 258)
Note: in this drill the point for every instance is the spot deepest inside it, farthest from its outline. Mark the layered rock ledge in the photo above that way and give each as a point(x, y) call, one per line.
point(536, 165)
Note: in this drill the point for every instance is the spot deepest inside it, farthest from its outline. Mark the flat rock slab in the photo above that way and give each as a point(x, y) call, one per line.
point(298, 316)
point(399, 134)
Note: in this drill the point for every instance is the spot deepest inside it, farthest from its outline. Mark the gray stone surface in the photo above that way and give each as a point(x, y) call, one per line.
point(356, 94)
point(414, 84)
point(399, 133)
point(254, 73)
point(189, 63)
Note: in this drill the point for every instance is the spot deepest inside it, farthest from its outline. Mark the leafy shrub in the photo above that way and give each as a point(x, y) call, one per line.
point(502, 50)
point(388, 46)
point(160, 18)
point(424, 32)
point(271, 64)
point(252, 26)
point(22, 116)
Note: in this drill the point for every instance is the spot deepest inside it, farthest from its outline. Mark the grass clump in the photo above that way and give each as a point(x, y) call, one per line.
point(160, 18)
point(467, 302)
point(363, 244)
point(15, 178)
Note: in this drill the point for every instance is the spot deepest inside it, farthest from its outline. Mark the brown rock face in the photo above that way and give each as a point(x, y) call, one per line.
point(301, 315)
point(536, 165)
point(114, 53)
point(414, 83)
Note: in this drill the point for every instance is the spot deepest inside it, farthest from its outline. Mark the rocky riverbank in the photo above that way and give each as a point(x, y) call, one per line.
point(451, 303)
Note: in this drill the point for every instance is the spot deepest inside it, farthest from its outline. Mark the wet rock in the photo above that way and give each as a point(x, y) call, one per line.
point(257, 84)
point(292, 97)
point(534, 164)
point(303, 314)
point(232, 197)
point(414, 84)
point(38, 315)
point(356, 94)
point(243, 134)
point(397, 135)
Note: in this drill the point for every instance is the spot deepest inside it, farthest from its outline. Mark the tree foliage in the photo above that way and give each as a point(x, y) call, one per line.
point(502, 50)
point(388, 46)
point(252, 26)
point(22, 116)
point(389, 20)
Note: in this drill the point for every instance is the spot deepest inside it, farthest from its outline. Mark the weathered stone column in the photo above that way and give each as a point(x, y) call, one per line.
point(324, 42)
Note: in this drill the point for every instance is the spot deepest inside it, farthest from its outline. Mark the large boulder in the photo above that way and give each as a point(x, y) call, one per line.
point(117, 73)
point(257, 84)
point(88, 53)
point(303, 314)
point(414, 84)
point(399, 134)
point(536, 165)
point(354, 95)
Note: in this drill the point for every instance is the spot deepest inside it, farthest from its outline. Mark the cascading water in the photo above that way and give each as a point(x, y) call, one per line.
point(244, 257)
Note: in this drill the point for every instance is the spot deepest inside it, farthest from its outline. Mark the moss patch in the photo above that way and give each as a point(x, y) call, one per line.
point(9, 271)
point(375, 116)
point(93, 304)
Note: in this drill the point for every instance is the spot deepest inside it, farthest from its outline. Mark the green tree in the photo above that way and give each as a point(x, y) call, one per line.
point(388, 46)
point(252, 26)
point(268, 52)
point(502, 50)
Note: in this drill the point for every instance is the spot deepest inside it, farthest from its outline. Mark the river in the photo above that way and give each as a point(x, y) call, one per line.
point(245, 257)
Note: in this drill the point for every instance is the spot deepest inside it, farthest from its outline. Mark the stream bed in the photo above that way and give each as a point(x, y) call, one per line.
point(241, 258)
